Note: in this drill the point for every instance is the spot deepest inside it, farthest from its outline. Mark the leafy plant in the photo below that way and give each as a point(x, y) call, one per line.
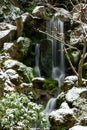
point(16, 110)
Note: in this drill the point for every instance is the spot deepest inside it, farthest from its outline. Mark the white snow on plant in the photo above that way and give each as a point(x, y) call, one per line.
point(74, 93)
point(78, 127)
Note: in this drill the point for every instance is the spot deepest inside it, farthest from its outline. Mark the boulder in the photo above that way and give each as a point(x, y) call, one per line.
point(27, 73)
point(39, 11)
point(23, 44)
point(62, 14)
point(7, 33)
point(12, 76)
point(10, 48)
point(62, 118)
point(74, 93)
point(43, 89)
point(69, 82)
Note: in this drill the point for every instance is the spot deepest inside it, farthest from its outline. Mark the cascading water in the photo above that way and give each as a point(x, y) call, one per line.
point(56, 27)
point(37, 55)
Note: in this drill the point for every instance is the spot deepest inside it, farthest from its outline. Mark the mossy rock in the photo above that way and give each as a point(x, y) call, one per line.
point(44, 89)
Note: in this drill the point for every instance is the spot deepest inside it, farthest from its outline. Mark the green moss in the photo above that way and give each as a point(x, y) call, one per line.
point(49, 84)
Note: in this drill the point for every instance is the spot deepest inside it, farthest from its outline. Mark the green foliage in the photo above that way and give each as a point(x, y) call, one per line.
point(16, 110)
point(49, 84)
point(32, 6)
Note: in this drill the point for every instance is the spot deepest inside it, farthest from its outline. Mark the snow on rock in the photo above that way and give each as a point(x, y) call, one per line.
point(73, 78)
point(26, 72)
point(78, 127)
point(7, 46)
point(23, 44)
point(25, 16)
point(64, 105)
point(9, 86)
point(38, 82)
point(62, 14)
point(10, 48)
point(62, 118)
point(74, 93)
point(39, 11)
point(7, 33)
point(38, 78)
point(10, 63)
point(13, 76)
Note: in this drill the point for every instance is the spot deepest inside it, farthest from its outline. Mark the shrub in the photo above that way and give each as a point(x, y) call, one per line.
point(16, 110)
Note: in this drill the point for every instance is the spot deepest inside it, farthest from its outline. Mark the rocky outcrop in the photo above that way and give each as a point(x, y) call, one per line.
point(62, 14)
point(7, 33)
point(40, 12)
point(62, 118)
point(71, 106)
point(43, 89)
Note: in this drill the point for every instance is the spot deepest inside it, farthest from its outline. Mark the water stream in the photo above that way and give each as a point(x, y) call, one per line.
point(56, 27)
point(37, 56)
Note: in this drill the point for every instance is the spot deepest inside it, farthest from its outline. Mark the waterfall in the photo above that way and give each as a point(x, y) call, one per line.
point(37, 55)
point(51, 105)
point(56, 27)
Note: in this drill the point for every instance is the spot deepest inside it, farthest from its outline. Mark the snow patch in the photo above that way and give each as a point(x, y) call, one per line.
point(78, 127)
point(74, 93)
